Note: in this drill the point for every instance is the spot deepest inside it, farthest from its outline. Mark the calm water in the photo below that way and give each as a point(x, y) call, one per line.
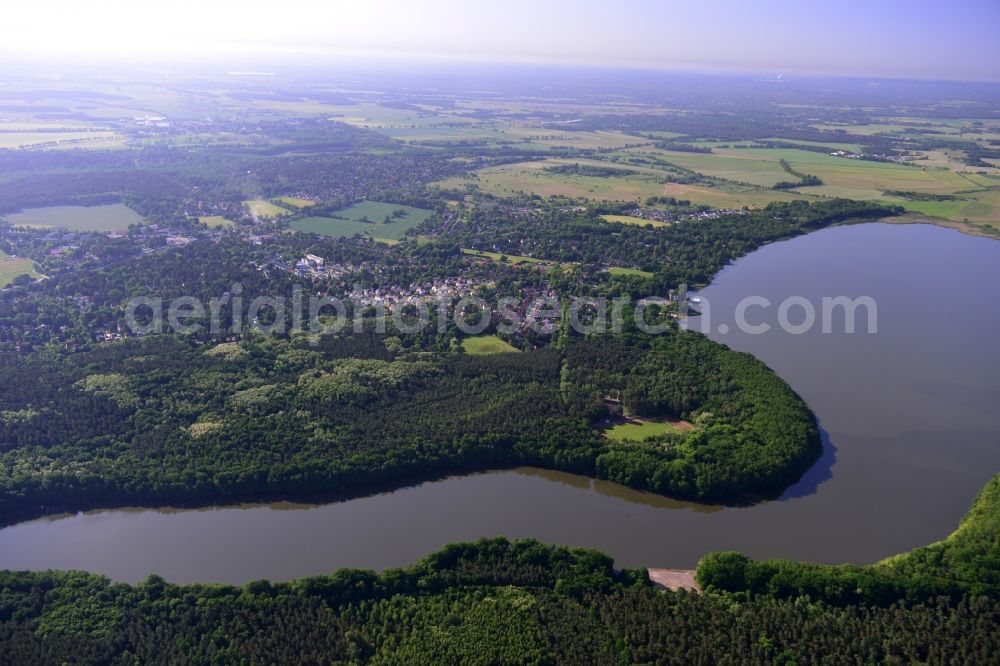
point(911, 417)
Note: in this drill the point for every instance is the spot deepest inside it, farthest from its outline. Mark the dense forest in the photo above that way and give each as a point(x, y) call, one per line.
point(166, 419)
point(687, 253)
point(489, 602)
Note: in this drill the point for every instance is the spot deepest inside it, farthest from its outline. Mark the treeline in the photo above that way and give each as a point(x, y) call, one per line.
point(683, 147)
point(919, 196)
point(967, 562)
point(805, 179)
point(577, 169)
point(489, 602)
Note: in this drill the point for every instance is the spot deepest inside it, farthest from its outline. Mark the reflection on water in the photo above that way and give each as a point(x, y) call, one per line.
point(609, 489)
point(818, 474)
point(909, 421)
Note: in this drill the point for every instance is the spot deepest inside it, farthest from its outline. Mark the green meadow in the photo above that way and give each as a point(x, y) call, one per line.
point(367, 218)
point(630, 272)
point(296, 202)
point(496, 256)
point(10, 268)
point(486, 344)
point(215, 221)
point(111, 217)
point(638, 430)
point(628, 219)
point(262, 208)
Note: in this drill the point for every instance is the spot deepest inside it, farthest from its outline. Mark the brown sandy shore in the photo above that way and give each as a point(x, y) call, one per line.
point(674, 579)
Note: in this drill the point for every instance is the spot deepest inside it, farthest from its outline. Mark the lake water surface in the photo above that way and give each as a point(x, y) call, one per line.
point(911, 416)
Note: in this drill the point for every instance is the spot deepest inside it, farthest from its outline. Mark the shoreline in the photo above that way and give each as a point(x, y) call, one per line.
point(967, 228)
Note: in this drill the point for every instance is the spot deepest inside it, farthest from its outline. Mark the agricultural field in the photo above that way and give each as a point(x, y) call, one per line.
point(11, 268)
point(366, 218)
point(750, 173)
point(481, 345)
point(974, 195)
point(53, 140)
point(731, 196)
point(535, 178)
point(537, 136)
point(110, 217)
point(728, 164)
point(266, 209)
point(860, 179)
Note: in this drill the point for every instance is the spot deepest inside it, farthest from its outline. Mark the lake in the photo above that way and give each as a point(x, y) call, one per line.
point(910, 416)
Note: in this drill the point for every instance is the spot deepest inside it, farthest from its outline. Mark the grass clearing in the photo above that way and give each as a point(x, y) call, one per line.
point(628, 219)
point(296, 202)
point(632, 272)
point(331, 226)
point(262, 208)
point(637, 430)
point(216, 221)
point(110, 217)
point(482, 345)
point(11, 268)
point(368, 218)
point(496, 256)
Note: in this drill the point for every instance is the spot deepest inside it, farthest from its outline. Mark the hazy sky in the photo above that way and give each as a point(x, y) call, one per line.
point(907, 38)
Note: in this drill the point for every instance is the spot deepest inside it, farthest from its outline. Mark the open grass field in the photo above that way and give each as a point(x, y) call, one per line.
point(111, 217)
point(215, 221)
point(496, 256)
point(366, 218)
point(262, 208)
point(860, 179)
point(297, 202)
point(11, 268)
point(533, 178)
point(976, 199)
point(377, 211)
point(628, 219)
point(727, 164)
point(576, 140)
point(734, 196)
point(331, 226)
point(60, 139)
point(638, 430)
point(985, 210)
point(635, 272)
point(482, 345)
point(636, 183)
